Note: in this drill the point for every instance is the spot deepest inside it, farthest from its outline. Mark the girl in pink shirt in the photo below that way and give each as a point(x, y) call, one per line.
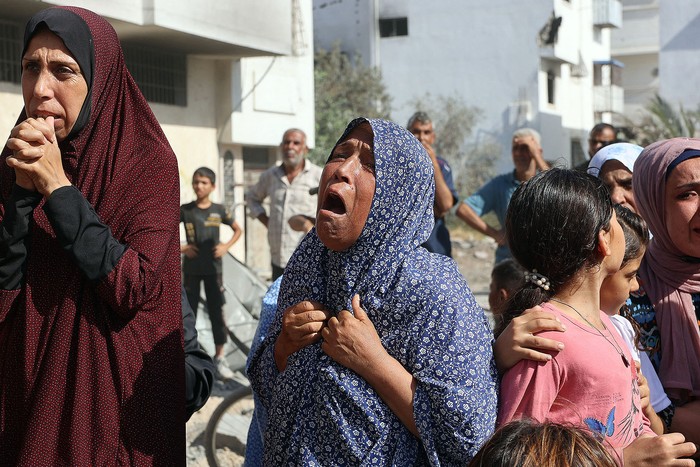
point(562, 229)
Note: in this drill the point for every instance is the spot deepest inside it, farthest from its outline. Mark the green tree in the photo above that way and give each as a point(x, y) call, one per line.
point(345, 89)
point(662, 121)
point(454, 120)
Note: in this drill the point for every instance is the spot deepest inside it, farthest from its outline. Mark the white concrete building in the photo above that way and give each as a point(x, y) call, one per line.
point(659, 46)
point(499, 55)
point(224, 78)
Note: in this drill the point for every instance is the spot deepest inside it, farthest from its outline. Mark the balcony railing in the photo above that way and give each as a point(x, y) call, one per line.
point(607, 13)
point(609, 98)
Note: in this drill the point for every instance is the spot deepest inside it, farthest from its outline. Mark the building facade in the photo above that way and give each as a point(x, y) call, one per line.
point(224, 79)
point(659, 45)
point(543, 64)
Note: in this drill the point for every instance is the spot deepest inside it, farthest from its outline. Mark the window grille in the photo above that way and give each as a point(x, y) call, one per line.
point(229, 179)
point(161, 75)
point(10, 50)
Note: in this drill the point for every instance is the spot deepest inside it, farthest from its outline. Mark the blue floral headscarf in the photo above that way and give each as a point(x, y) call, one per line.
point(400, 219)
point(323, 413)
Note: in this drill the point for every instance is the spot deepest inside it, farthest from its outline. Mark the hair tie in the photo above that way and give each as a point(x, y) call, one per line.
point(538, 279)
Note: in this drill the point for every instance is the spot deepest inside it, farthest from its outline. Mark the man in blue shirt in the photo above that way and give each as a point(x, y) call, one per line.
point(495, 195)
point(445, 194)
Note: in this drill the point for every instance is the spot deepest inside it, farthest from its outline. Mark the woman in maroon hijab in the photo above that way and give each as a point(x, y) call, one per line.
point(91, 359)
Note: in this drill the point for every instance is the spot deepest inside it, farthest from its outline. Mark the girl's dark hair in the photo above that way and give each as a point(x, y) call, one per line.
point(636, 233)
point(552, 226)
point(526, 443)
point(205, 172)
point(636, 240)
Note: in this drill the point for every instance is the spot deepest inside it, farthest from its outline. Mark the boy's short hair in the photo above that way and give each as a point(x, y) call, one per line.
point(205, 172)
point(508, 274)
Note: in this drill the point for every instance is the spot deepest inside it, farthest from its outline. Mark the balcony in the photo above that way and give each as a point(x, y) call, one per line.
point(556, 41)
point(238, 28)
point(640, 34)
point(608, 98)
point(607, 13)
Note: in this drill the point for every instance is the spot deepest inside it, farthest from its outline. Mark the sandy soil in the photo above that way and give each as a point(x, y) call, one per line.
point(474, 257)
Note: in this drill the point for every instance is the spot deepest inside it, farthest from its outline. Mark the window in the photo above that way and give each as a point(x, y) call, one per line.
point(551, 81)
point(392, 27)
point(256, 158)
point(161, 75)
point(10, 49)
point(577, 154)
point(607, 72)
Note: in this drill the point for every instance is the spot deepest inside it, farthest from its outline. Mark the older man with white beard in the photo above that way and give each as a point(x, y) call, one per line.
point(289, 186)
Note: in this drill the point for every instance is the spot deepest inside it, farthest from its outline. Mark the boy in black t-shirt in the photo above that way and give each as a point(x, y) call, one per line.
point(202, 257)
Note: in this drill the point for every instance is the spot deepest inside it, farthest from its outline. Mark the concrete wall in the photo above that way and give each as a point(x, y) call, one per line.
point(350, 23)
point(639, 33)
point(679, 44)
point(11, 104)
point(270, 95)
point(636, 45)
point(640, 78)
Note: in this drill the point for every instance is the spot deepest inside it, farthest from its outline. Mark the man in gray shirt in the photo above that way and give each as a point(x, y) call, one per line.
point(288, 185)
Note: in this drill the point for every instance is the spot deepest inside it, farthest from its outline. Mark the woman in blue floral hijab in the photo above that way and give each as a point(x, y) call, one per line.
point(407, 377)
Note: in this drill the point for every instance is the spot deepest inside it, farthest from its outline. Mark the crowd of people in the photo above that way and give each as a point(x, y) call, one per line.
point(372, 348)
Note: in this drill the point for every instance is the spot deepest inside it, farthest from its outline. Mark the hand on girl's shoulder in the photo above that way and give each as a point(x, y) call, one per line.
point(520, 340)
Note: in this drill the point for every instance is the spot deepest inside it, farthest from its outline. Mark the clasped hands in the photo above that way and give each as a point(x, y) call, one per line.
point(348, 338)
point(36, 157)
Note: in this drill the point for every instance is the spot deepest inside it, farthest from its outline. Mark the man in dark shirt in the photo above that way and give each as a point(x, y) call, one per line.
point(445, 194)
point(601, 135)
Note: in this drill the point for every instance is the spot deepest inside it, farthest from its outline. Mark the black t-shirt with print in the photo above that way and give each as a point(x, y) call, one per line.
point(202, 230)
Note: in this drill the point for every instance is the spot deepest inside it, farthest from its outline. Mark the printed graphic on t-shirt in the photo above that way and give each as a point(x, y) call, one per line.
point(214, 220)
point(604, 429)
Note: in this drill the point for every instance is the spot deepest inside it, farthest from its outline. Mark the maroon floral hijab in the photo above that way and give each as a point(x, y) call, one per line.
point(117, 140)
point(111, 385)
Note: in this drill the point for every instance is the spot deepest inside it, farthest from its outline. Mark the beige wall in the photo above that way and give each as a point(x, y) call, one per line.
point(193, 135)
point(11, 105)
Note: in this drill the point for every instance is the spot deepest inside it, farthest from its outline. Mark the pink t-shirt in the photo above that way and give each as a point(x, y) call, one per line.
point(586, 385)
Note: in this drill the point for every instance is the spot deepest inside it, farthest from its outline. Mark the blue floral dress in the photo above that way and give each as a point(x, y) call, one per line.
point(321, 413)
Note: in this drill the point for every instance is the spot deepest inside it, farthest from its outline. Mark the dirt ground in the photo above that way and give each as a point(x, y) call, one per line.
point(474, 256)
